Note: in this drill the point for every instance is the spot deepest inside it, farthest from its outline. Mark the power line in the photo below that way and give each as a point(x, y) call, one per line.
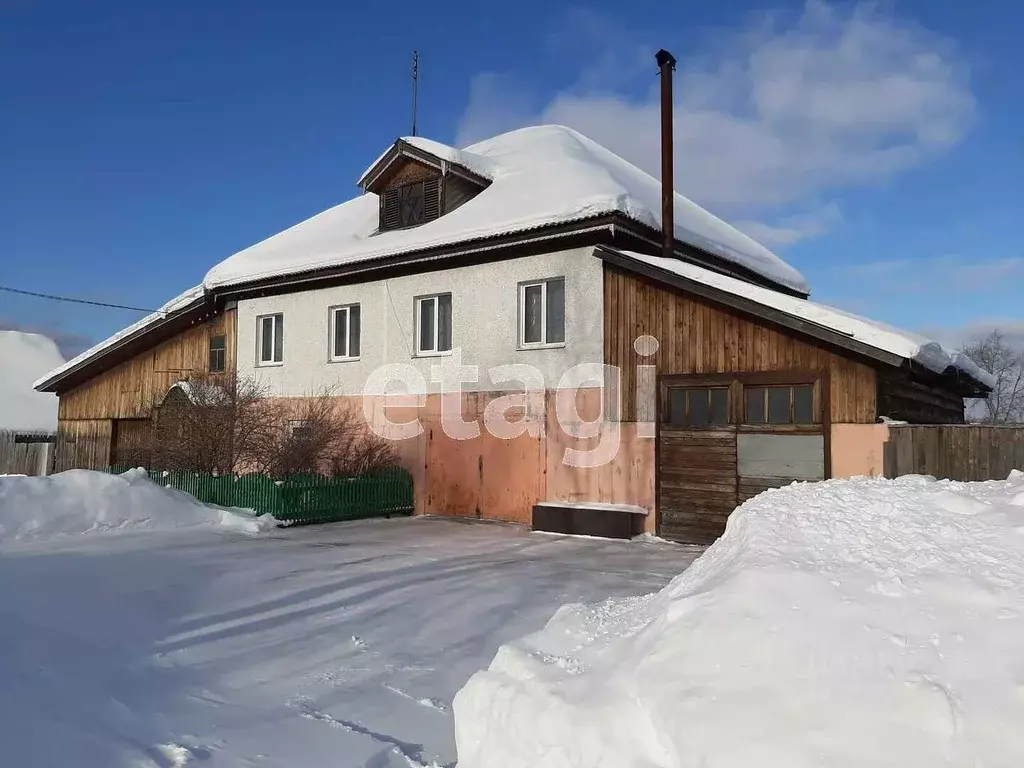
point(70, 300)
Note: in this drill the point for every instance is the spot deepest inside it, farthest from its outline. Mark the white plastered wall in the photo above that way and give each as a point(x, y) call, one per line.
point(485, 307)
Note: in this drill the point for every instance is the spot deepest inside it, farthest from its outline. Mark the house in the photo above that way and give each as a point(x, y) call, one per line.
point(536, 248)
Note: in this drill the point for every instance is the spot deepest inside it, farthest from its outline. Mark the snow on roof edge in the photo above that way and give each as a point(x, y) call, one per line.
point(472, 237)
point(177, 304)
point(883, 337)
point(471, 162)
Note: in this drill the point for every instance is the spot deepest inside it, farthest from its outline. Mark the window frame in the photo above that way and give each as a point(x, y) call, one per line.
point(431, 192)
point(223, 350)
point(332, 327)
point(766, 390)
point(523, 344)
point(688, 410)
point(417, 314)
point(297, 424)
point(818, 379)
point(260, 320)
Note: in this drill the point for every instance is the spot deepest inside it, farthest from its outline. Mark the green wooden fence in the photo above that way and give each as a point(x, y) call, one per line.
point(299, 499)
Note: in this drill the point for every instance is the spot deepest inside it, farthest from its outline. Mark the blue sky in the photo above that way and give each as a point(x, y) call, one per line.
point(876, 147)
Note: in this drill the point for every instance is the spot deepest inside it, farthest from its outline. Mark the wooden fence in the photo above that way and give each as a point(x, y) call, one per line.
point(26, 453)
point(954, 452)
point(300, 498)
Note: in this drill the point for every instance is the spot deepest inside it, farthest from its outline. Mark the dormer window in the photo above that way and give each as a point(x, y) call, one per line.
point(414, 185)
point(410, 205)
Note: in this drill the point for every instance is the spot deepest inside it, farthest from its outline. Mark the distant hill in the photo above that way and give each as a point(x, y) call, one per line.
point(24, 358)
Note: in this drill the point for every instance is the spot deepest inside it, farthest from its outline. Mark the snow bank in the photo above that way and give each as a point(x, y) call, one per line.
point(26, 356)
point(909, 345)
point(859, 622)
point(80, 501)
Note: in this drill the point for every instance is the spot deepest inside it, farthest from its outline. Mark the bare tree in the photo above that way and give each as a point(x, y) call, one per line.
point(216, 424)
point(1005, 404)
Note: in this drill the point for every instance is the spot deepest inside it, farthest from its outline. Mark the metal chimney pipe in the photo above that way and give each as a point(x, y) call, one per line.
point(667, 65)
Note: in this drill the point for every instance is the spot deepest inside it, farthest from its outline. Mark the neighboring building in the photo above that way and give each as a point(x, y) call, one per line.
point(537, 247)
point(28, 419)
point(24, 357)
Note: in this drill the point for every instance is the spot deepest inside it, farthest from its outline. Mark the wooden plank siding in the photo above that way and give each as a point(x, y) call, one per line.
point(83, 444)
point(697, 482)
point(103, 415)
point(697, 337)
point(131, 389)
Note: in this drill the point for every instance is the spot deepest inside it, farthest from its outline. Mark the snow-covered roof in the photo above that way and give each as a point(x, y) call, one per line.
point(26, 356)
point(540, 176)
point(471, 161)
point(905, 344)
point(178, 304)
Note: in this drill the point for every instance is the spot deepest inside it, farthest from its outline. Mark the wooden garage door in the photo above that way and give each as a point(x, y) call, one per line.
point(723, 439)
point(697, 482)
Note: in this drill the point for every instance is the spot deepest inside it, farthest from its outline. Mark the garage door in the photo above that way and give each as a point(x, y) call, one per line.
point(725, 439)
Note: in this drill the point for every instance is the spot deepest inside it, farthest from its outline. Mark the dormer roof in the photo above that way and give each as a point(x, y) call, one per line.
point(432, 154)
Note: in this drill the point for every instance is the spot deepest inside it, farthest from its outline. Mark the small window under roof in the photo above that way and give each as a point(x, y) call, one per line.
point(410, 205)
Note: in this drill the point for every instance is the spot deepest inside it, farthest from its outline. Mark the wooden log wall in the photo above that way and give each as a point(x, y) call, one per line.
point(695, 336)
point(130, 390)
point(904, 399)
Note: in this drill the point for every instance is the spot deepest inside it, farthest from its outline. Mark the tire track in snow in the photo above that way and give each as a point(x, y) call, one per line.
point(411, 753)
point(434, 704)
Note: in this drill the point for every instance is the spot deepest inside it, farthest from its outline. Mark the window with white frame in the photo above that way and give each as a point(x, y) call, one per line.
point(434, 324)
point(542, 313)
point(345, 332)
point(270, 341)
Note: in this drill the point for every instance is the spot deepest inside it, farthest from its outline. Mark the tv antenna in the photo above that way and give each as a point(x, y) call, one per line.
point(415, 87)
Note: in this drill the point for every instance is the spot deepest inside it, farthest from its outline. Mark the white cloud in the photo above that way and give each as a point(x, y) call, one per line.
point(958, 336)
point(793, 229)
point(770, 116)
point(943, 274)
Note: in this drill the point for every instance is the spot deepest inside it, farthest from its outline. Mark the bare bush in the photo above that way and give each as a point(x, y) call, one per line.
point(328, 435)
point(219, 425)
point(215, 424)
point(1005, 404)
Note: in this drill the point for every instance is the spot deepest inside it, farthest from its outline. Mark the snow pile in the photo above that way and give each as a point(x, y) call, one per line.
point(859, 622)
point(541, 175)
point(81, 501)
point(26, 356)
point(909, 345)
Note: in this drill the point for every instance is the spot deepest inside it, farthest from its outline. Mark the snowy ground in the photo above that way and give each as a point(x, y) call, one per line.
point(335, 645)
point(842, 624)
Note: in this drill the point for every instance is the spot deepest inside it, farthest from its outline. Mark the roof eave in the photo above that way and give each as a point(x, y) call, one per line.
point(706, 259)
point(481, 245)
point(52, 383)
point(746, 306)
